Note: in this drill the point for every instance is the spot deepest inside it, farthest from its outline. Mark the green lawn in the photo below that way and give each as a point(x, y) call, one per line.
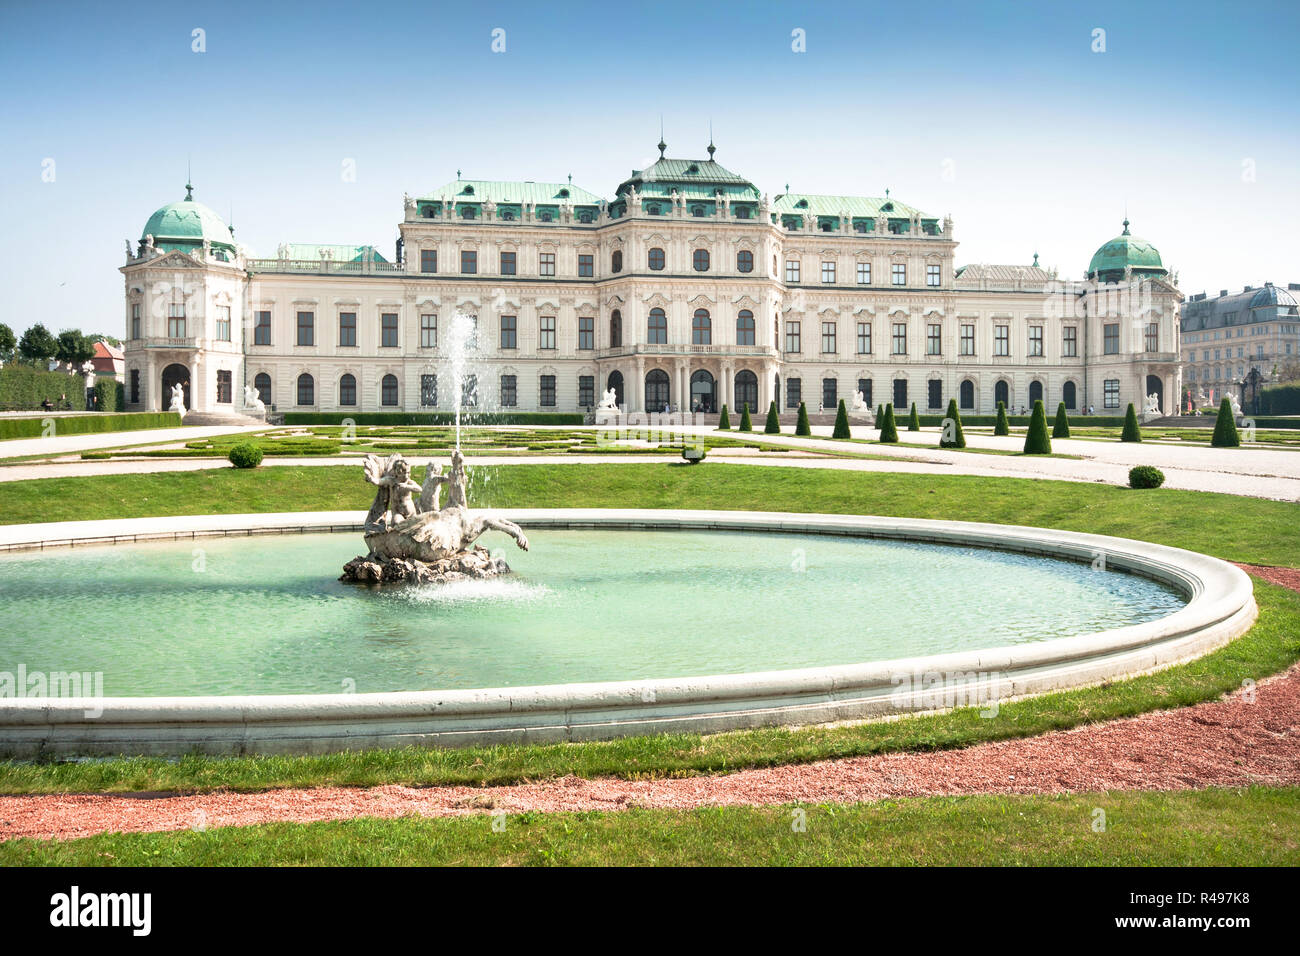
point(1224, 827)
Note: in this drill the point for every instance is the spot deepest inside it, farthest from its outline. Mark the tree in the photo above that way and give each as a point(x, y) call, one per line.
point(888, 428)
point(108, 339)
point(773, 426)
point(38, 346)
point(952, 436)
point(1131, 431)
point(74, 349)
point(842, 422)
point(1225, 427)
point(1036, 440)
point(1003, 427)
point(745, 424)
point(1062, 427)
point(8, 342)
point(913, 420)
point(724, 421)
point(801, 426)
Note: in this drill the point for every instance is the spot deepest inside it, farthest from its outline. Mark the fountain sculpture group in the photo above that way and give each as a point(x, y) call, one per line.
point(410, 538)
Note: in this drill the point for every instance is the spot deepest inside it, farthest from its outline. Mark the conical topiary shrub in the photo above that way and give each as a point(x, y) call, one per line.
point(801, 427)
point(724, 421)
point(1131, 431)
point(1002, 427)
point(773, 426)
point(1225, 427)
point(880, 414)
point(1062, 427)
point(888, 430)
point(913, 420)
point(842, 423)
point(952, 436)
point(1036, 440)
point(745, 425)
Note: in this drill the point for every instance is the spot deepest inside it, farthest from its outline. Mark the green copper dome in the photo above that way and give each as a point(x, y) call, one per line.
point(187, 223)
point(1124, 252)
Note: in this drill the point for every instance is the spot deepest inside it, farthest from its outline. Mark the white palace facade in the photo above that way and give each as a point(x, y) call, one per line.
point(688, 289)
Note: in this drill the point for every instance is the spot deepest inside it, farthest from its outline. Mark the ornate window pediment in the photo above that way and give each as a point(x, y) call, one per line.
point(614, 302)
point(546, 307)
point(701, 301)
point(745, 301)
point(657, 301)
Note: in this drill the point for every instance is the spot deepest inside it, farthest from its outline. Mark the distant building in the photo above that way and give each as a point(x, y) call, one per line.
point(1227, 336)
point(109, 362)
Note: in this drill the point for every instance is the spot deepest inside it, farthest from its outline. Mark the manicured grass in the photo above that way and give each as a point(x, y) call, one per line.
point(1270, 646)
point(1221, 827)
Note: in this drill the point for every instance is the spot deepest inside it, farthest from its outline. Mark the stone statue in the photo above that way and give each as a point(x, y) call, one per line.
point(414, 540)
point(253, 401)
point(1236, 405)
point(859, 404)
point(1152, 406)
point(178, 399)
point(608, 401)
point(148, 243)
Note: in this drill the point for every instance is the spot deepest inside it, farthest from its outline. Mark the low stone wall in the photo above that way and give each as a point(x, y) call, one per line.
point(1220, 607)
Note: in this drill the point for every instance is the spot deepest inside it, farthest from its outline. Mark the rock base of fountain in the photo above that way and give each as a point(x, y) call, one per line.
point(471, 565)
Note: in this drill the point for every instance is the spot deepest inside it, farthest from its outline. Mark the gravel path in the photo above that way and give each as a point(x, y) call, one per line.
point(1249, 737)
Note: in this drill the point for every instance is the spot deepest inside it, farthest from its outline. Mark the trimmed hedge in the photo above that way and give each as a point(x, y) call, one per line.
point(957, 438)
point(88, 424)
point(245, 455)
point(801, 426)
point(25, 386)
point(724, 420)
point(1036, 440)
point(888, 427)
point(1019, 421)
point(435, 418)
point(745, 424)
point(842, 422)
point(913, 420)
point(1062, 427)
point(1131, 430)
point(1280, 400)
point(773, 425)
point(1145, 476)
point(1000, 424)
point(1225, 428)
point(111, 394)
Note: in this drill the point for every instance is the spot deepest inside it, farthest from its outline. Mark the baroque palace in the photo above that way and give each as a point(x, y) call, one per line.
point(689, 289)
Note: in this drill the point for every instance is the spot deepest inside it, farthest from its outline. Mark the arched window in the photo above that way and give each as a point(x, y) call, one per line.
point(615, 329)
point(306, 389)
point(703, 398)
point(746, 390)
point(744, 261)
point(1068, 396)
point(656, 390)
point(388, 390)
point(347, 390)
point(701, 260)
point(1002, 393)
point(1035, 392)
point(967, 394)
point(616, 261)
point(615, 381)
point(263, 385)
point(657, 328)
point(702, 328)
point(656, 257)
point(697, 212)
point(744, 327)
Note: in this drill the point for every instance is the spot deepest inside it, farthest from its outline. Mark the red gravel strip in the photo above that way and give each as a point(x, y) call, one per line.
point(1287, 577)
point(1249, 737)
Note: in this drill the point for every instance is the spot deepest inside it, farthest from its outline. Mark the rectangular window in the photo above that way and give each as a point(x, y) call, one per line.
point(1153, 337)
point(934, 394)
point(586, 265)
point(828, 272)
point(176, 320)
point(469, 391)
point(428, 260)
point(428, 390)
point(1112, 338)
point(547, 338)
point(828, 337)
point(262, 329)
point(428, 331)
point(225, 389)
point(792, 336)
point(509, 391)
point(1111, 392)
point(968, 340)
point(307, 329)
point(900, 395)
point(1036, 341)
point(586, 335)
point(900, 338)
point(223, 323)
point(864, 338)
point(1002, 340)
point(546, 264)
point(509, 324)
point(586, 391)
point(792, 270)
point(507, 263)
point(864, 273)
point(468, 261)
point(900, 274)
point(830, 393)
point(864, 386)
point(548, 391)
point(932, 277)
point(135, 386)
point(1070, 341)
point(934, 339)
point(347, 328)
point(135, 321)
point(792, 392)
point(388, 330)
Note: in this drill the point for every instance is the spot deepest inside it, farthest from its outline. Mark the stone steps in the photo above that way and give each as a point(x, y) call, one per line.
point(215, 418)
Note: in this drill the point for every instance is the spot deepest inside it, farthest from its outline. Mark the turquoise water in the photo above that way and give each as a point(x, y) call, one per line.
point(266, 615)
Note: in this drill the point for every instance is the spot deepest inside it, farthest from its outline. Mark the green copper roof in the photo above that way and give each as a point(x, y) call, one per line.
point(481, 190)
point(337, 252)
point(187, 222)
point(691, 178)
point(1124, 252)
point(866, 207)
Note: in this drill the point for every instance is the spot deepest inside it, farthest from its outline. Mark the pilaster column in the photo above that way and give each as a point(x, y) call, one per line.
point(195, 389)
point(636, 388)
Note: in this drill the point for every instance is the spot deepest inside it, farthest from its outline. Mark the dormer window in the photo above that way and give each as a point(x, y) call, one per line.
point(467, 191)
point(546, 216)
point(826, 225)
point(508, 215)
point(584, 216)
point(887, 207)
point(859, 227)
point(801, 204)
point(564, 194)
point(693, 168)
point(652, 210)
point(697, 211)
point(742, 212)
point(428, 212)
point(467, 212)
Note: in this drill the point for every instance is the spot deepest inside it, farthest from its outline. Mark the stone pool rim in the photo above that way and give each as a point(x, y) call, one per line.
point(1220, 606)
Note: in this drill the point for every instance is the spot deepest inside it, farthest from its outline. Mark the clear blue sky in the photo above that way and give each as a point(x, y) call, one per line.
point(1000, 114)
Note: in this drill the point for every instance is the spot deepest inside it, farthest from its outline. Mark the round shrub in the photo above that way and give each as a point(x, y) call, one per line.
point(1145, 476)
point(245, 455)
